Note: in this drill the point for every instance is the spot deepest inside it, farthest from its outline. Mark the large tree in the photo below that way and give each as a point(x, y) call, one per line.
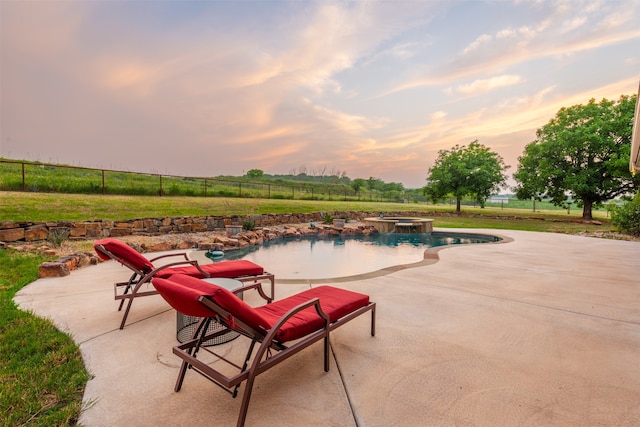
point(357, 184)
point(466, 171)
point(255, 173)
point(584, 153)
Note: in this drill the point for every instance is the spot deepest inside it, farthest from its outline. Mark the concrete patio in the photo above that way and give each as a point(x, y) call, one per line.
point(542, 330)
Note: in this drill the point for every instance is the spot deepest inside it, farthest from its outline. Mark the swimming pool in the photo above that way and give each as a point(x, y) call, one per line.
point(340, 256)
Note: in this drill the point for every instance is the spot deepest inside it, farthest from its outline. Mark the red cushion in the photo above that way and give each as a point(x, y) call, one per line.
point(183, 298)
point(335, 302)
point(182, 293)
point(228, 269)
point(221, 296)
point(125, 254)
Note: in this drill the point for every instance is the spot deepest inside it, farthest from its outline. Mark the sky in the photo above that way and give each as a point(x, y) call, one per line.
point(364, 88)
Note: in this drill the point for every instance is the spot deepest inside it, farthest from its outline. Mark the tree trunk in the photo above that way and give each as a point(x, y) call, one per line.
point(458, 205)
point(586, 210)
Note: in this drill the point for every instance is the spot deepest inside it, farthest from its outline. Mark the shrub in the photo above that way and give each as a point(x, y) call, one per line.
point(173, 190)
point(248, 224)
point(58, 235)
point(626, 218)
point(327, 218)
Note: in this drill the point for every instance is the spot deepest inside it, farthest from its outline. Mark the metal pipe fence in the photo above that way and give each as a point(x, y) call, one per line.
point(17, 175)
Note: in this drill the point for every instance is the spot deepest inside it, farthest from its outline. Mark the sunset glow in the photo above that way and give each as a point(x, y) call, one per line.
point(205, 88)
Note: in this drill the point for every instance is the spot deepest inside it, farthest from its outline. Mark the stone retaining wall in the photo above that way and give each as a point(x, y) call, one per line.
point(25, 231)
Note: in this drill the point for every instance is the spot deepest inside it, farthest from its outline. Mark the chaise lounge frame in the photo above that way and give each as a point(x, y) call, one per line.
point(143, 272)
point(270, 351)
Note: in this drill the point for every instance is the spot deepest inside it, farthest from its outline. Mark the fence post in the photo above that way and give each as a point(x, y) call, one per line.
point(24, 185)
point(102, 170)
point(160, 185)
point(240, 188)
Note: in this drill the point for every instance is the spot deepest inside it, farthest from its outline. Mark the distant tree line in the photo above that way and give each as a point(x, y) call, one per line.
point(388, 190)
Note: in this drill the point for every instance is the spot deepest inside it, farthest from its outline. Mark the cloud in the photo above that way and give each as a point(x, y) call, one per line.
point(571, 27)
point(348, 123)
point(573, 24)
point(615, 20)
point(632, 60)
point(506, 127)
point(208, 87)
point(486, 85)
point(482, 41)
point(438, 115)
point(31, 30)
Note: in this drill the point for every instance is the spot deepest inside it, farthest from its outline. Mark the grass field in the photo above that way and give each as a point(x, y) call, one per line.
point(16, 175)
point(19, 206)
point(42, 376)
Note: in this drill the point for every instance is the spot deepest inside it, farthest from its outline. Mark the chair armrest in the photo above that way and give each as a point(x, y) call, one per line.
point(258, 287)
point(173, 264)
point(182, 254)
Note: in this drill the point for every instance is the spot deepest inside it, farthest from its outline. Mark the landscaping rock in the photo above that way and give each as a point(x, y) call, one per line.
point(37, 232)
point(53, 269)
point(12, 234)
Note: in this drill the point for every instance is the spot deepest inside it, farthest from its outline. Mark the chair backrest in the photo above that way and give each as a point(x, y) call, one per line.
point(114, 249)
point(183, 293)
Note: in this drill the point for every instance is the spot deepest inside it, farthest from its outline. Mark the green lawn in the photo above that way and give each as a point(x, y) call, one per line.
point(42, 376)
point(18, 206)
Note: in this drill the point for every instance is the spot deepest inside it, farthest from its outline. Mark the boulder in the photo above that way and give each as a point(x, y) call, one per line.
point(119, 232)
point(36, 232)
point(12, 234)
point(160, 247)
point(53, 269)
point(186, 245)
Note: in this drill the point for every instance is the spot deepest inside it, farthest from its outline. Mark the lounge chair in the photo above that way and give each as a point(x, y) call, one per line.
point(144, 270)
point(302, 319)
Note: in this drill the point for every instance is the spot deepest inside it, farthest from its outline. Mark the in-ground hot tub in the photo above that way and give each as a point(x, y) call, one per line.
point(401, 224)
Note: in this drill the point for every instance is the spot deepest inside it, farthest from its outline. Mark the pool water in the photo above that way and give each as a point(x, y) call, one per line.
point(339, 256)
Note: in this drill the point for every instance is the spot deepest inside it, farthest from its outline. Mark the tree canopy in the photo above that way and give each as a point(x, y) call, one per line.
point(462, 171)
point(358, 183)
point(255, 173)
point(583, 152)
